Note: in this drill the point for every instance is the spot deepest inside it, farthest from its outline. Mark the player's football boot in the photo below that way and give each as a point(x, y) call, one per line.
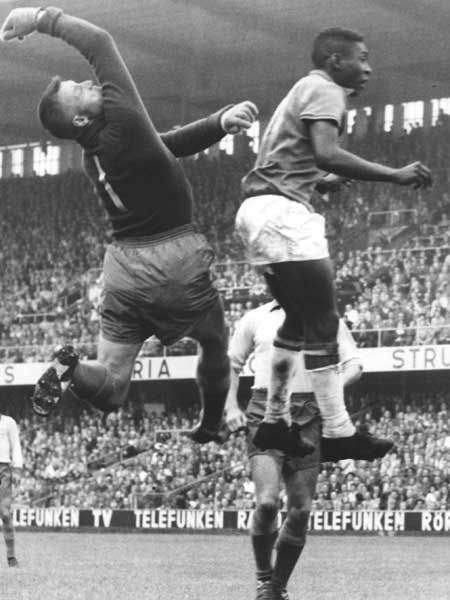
point(279, 436)
point(48, 390)
point(264, 591)
point(12, 561)
point(362, 445)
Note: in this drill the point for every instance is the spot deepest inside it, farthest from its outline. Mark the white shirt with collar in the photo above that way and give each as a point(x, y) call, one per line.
point(10, 448)
point(254, 334)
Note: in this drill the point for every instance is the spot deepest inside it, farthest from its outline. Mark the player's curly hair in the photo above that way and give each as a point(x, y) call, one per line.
point(51, 113)
point(330, 41)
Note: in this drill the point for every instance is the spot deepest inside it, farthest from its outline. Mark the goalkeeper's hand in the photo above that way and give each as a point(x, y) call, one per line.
point(19, 23)
point(239, 117)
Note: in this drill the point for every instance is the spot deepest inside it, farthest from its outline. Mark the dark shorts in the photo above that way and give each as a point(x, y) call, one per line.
point(156, 286)
point(305, 412)
point(5, 485)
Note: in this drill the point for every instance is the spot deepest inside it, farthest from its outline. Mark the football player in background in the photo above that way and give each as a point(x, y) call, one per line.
point(270, 468)
point(11, 461)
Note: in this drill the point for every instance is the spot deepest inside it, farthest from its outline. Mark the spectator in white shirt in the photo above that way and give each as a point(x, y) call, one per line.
point(11, 462)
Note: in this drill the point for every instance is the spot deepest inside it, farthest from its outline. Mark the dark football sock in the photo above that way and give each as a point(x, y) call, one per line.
point(285, 561)
point(262, 552)
point(9, 536)
point(213, 386)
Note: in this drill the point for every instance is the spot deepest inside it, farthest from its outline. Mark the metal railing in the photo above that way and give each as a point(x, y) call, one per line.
point(165, 495)
point(365, 338)
point(407, 250)
point(417, 335)
point(392, 218)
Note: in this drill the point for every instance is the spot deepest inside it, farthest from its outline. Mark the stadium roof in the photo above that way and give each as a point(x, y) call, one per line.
point(191, 56)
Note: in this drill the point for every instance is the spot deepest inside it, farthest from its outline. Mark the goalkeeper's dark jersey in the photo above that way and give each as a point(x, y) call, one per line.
point(134, 168)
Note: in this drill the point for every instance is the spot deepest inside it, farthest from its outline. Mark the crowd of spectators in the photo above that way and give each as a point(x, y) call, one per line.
point(396, 297)
point(139, 458)
point(53, 231)
point(414, 476)
point(391, 250)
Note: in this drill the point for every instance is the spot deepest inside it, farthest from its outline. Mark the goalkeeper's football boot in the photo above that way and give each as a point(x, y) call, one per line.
point(362, 445)
point(12, 561)
point(49, 388)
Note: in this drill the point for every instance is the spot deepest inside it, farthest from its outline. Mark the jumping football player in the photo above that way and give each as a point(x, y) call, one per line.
point(156, 271)
point(283, 233)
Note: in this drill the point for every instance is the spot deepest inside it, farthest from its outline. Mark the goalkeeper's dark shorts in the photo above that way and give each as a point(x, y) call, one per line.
point(157, 285)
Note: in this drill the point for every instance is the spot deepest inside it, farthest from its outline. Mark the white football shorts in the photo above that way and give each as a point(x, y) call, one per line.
point(275, 229)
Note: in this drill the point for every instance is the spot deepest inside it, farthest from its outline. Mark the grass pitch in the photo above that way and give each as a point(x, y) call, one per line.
point(115, 566)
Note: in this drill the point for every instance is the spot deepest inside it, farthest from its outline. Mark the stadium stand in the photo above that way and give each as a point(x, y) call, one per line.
point(391, 250)
point(78, 459)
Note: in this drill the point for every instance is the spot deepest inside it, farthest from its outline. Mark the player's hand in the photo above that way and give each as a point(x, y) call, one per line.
point(415, 174)
point(239, 117)
point(235, 419)
point(332, 183)
point(19, 23)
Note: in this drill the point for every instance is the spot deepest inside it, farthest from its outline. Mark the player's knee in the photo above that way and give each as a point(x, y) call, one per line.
point(268, 508)
point(264, 516)
point(295, 527)
point(5, 515)
point(281, 367)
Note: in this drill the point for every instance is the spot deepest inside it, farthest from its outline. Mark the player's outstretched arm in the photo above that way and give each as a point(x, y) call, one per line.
point(331, 157)
point(94, 43)
point(199, 135)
